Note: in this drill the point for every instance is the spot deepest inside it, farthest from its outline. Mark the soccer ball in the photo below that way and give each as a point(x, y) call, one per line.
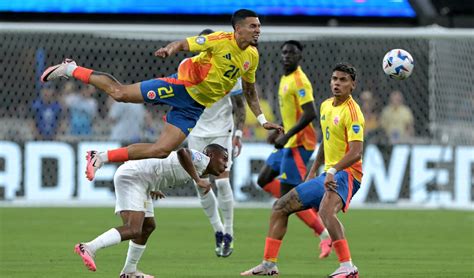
point(398, 64)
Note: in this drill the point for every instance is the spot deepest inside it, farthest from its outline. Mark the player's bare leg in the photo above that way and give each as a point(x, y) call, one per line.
point(282, 209)
point(331, 204)
point(170, 139)
point(137, 244)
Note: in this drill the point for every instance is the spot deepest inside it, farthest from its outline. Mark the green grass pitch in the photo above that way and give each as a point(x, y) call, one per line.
point(38, 242)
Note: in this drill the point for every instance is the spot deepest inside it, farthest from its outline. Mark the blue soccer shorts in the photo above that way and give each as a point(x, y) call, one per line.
point(185, 111)
point(274, 160)
point(293, 165)
point(311, 192)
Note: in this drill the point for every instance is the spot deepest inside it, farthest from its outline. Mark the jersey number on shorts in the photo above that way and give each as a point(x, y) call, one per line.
point(232, 72)
point(164, 92)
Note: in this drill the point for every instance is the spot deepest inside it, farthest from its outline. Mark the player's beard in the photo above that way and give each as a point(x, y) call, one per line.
point(254, 43)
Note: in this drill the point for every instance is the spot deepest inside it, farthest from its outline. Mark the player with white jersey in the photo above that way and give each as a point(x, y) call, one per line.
point(136, 184)
point(216, 126)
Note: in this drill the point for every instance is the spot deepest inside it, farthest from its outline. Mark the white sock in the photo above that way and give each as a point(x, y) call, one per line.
point(70, 68)
point(347, 264)
point(226, 204)
point(109, 238)
point(324, 235)
point(135, 252)
point(104, 157)
point(209, 204)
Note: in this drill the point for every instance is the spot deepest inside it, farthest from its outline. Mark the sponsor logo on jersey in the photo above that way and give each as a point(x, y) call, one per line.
point(246, 65)
point(151, 95)
point(227, 56)
point(200, 40)
point(323, 118)
point(336, 120)
point(302, 92)
point(356, 128)
point(197, 157)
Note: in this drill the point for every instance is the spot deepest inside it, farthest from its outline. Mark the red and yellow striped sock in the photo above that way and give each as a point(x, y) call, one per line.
point(272, 248)
point(342, 250)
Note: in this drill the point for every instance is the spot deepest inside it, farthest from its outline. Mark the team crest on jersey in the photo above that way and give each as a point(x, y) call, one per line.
point(200, 40)
point(196, 157)
point(151, 95)
point(285, 88)
point(336, 120)
point(302, 92)
point(356, 128)
point(246, 65)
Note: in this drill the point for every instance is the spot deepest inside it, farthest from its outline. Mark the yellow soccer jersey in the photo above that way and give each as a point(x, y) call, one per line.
point(340, 125)
point(210, 75)
point(294, 91)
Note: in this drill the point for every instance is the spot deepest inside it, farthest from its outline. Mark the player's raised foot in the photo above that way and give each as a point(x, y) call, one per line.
point(228, 246)
point(136, 274)
point(86, 255)
point(345, 272)
point(325, 248)
point(93, 164)
point(219, 243)
point(263, 269)
point(57, 71)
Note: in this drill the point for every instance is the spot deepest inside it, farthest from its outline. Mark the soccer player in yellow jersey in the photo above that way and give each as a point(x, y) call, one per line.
point(342, 125)
point(201, 81)
point(294, 148)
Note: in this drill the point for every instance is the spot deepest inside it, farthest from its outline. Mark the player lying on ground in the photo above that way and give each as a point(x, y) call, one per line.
point(201, 81)
point(136, 183)
point(285, 168)
point(342, 124)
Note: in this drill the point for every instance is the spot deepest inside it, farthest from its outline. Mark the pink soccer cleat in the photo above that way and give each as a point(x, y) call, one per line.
point(86, 255)
point(136, 274)
point(57, 71)
point(261, 270)
point(93, 164)
point(345, 272)
point(325, 247)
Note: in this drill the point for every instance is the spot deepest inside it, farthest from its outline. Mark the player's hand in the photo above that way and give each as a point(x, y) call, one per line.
point(205, 185)
point(162, 52)
point(329, 183)
point(272, 136)
point(270, 126)
point(155, 195)
point(237, 145)
point(280, 142)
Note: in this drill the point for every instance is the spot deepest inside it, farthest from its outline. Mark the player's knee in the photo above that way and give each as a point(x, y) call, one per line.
point(149, 228)
point(135, 232)
point(279, 208)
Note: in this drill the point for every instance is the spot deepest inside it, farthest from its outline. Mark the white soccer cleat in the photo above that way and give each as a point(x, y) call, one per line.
point(57, 71)
point(86, 255)
point(345, 272)
point(261, 270)
point(93, 164)
point(136, 274)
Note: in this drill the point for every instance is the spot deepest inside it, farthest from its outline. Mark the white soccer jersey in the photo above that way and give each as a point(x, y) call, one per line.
point(217, 120)
point(159, 173)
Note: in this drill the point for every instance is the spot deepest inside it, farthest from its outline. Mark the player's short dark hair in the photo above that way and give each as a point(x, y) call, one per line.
point(241, 15)
point(214, 147)
point(347, 68)
point(206, 32)
point(298, 44)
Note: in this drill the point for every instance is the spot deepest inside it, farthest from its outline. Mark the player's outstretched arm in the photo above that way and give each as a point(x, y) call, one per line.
point(317, 162)
point(309, 114)
point(238, 109)
point(251, 96)
point(172, 48)
point(185, 159)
